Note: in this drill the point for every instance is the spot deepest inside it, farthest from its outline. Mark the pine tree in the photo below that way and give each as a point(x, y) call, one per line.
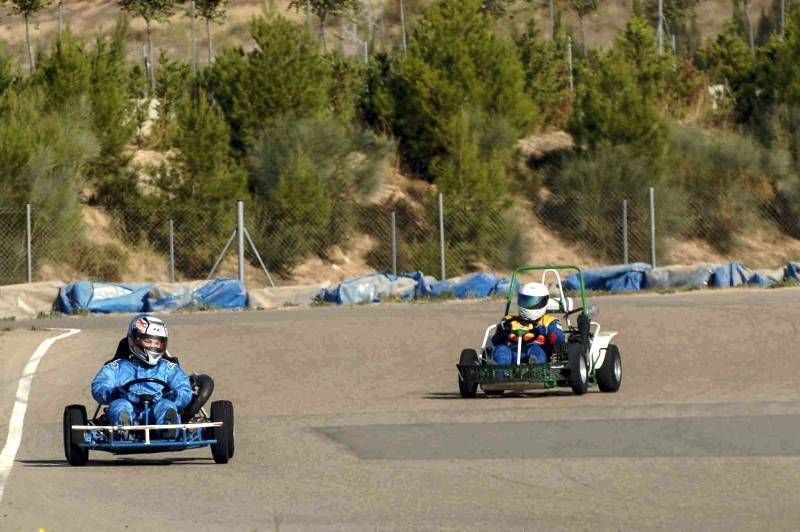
point(28, 8)
point(324, 9)
point(455, 62)
point(284, 75)
point(211, 11)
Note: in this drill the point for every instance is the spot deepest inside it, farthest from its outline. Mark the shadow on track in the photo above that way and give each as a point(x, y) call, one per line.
point(120, 462)
point(444, 396)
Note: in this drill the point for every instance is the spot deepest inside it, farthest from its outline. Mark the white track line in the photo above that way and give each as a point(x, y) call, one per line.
point(21, 405)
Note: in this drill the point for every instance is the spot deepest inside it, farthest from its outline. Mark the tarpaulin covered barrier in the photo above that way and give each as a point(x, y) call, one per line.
point(103, 297)
point(127, 297)
point(281, 296)
point(479, 284)
point(28, 300)
point(678, 277)
point(622, 278)
point(371, 288)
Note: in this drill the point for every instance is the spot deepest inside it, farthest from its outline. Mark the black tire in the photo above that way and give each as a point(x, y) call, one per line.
point(222, 451)
point(609, 376)
point(578, 371)
point(74, 453)
point(469, 357)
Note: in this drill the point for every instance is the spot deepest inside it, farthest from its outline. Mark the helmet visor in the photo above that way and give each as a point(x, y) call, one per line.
point(532, 302)
point(153, 344)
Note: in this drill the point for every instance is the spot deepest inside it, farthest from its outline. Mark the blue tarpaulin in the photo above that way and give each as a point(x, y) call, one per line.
point(221, 293)
point(102, 297)
point(732, 274)
point(624, 277)
point(371, 288)
point(479, 284)
point(125, 297)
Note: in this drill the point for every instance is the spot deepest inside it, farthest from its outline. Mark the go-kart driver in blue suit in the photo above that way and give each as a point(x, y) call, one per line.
point(540, 332)
point(147, 344)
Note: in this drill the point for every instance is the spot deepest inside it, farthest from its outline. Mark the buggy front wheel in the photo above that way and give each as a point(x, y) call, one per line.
point(74, 453)
point(222, 451)
point(578, 369)
point(609, 376)
point(468, 388)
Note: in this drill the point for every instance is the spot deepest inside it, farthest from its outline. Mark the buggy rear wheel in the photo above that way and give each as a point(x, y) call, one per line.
point(578, 370)
point(467, 388)
point(222, 451)
point(609, 376)
point(73, 452)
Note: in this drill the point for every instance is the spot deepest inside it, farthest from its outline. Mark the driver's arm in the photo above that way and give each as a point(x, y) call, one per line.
point(105, 382)
point(181, 387)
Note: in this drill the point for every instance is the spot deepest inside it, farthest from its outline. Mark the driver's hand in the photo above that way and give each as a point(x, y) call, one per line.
point(118, 393)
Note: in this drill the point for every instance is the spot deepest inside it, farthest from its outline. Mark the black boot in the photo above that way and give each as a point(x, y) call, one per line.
point(171, 418)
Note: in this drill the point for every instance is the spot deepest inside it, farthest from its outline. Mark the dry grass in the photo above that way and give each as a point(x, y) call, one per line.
point(87, 18)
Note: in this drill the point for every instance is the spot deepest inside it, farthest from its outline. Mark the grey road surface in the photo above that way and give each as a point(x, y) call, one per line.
point(350, 419)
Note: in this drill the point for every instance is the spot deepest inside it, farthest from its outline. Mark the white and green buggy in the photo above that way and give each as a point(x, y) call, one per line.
point(586, 358)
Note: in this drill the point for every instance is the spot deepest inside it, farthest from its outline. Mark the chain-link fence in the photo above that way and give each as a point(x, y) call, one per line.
point(437, 235)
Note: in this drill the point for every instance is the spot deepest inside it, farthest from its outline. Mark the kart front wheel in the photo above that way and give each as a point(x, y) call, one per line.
point(578, 369)
point(74, 453)
point(468, 388)
point(222, 451)
point(609, 376)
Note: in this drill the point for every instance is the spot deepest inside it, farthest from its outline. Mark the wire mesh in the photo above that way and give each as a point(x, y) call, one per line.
point(559, 227)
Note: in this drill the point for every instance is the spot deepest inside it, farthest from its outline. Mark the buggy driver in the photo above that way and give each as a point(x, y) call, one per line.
point(540, 332)
point(144, 357)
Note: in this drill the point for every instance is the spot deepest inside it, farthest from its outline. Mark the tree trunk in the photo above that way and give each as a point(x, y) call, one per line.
point(150, 57)
point(28, 40)
point(583, 34)
point(322, 32)
point(210, 45)
point(750, 36)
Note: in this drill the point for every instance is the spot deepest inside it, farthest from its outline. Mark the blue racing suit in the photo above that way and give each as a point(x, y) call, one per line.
point(537, 341)
point(105, 389)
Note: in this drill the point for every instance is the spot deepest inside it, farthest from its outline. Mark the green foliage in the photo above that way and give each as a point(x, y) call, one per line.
point(296, 215)
point(587, 201)
point(211, 9)
point(283, 76)
point(347, 164)
point(455, 62)
point(112, 109)
point(29, 7)
point(546, 74)
point(173, 81)
point(43, 156)
point(66, 72)
point(149, 10)
point(611, 108)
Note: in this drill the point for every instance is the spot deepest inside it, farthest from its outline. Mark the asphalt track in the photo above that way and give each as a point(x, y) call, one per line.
point(349, 419)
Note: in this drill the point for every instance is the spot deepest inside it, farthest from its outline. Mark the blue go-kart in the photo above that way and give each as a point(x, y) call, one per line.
point(82, 435)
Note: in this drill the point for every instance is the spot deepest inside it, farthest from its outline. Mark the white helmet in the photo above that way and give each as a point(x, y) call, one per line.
point(532, 301)
point(147, 338)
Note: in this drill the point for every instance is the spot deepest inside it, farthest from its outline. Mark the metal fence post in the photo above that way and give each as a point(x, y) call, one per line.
point(28, 237)
point(240, 234)
point(441, 234)
point(194, 37)
point(569, 61)
point(394, 242)
point(171, 251)
point(652, 228)
point(625, 231)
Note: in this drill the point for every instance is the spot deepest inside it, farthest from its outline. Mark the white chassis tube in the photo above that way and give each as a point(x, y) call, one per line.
point(148, 428)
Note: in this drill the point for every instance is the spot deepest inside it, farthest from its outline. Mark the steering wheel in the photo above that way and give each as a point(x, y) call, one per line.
point(147, 397)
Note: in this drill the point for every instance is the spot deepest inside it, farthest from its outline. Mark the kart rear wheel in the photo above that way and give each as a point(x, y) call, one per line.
point(578, 370)
point(469, 357)
point(609, 376)
point(222, 451)
point(74, 453)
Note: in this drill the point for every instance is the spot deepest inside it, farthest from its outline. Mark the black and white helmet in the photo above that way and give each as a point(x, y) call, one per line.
point(147, 338)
